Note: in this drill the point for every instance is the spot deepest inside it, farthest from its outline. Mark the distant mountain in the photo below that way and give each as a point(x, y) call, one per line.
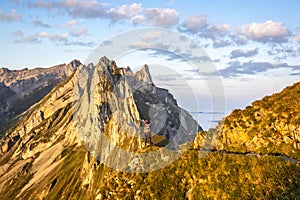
point(20, 89)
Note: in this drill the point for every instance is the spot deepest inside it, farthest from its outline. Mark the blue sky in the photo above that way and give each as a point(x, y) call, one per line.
point(254, 45)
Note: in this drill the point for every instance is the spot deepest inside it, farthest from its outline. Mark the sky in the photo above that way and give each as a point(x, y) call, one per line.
point(253, 46)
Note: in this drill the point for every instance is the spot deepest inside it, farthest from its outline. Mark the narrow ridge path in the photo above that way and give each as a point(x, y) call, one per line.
point(293, 160)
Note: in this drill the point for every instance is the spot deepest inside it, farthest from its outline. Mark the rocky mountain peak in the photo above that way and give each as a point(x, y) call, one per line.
point(89, 122)
point(3, 70)
point(143, 74)
point(128, 71)
point(75, 63)
point(105, 60)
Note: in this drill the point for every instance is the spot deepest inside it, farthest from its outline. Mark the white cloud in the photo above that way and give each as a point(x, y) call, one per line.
point(161, 17)
point(78, 4)
point(218, 34)
point(75, 29)
point(12, 16)
point(217, 43)
point(36, 38)
point(57, 37)
point(75, 8)
point(268, 31)
point(152, 35)
point(22, 38)
point(216, 31)
point(42, 34)
point(134, 12)
point(91, 9)
point(243, 53)
point(79, 43)
point(37, 22)
point(72, 23)
point(282, 51)
point(236, 69)
point(196, 23)
point(238, 38)
point(125, 12)
point(137, 19)
point(78, 31)
point(130, 10)
point(296, 38)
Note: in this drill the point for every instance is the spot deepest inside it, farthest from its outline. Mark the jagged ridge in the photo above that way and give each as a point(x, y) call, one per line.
point(40, 151)
point(20, 89)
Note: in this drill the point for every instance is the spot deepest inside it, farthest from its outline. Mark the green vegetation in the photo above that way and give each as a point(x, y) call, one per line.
point(269, 126)
point(215, 176)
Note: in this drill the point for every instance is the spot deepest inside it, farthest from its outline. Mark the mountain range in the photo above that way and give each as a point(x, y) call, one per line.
point(20, 89)
point(75, 131)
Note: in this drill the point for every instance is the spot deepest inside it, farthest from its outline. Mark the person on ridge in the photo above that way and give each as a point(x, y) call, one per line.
point(147, 131)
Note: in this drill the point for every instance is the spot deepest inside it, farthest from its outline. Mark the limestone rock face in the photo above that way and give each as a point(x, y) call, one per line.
point(107, 117)
point(118, 100)
point(20, 89)
point(88, 122)
point(141, 80)
point(144, 75)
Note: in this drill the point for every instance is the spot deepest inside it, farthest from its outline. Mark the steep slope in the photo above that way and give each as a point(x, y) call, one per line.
point(7, 95)
point(253, 154)
point(215, 176)
point(76, 143)
point(159, 106)
point(77, 135)
point(268, 126)
point(20, 89)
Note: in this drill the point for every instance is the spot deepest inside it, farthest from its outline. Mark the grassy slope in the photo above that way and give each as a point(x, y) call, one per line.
point(269, 126)
point(214, 176)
